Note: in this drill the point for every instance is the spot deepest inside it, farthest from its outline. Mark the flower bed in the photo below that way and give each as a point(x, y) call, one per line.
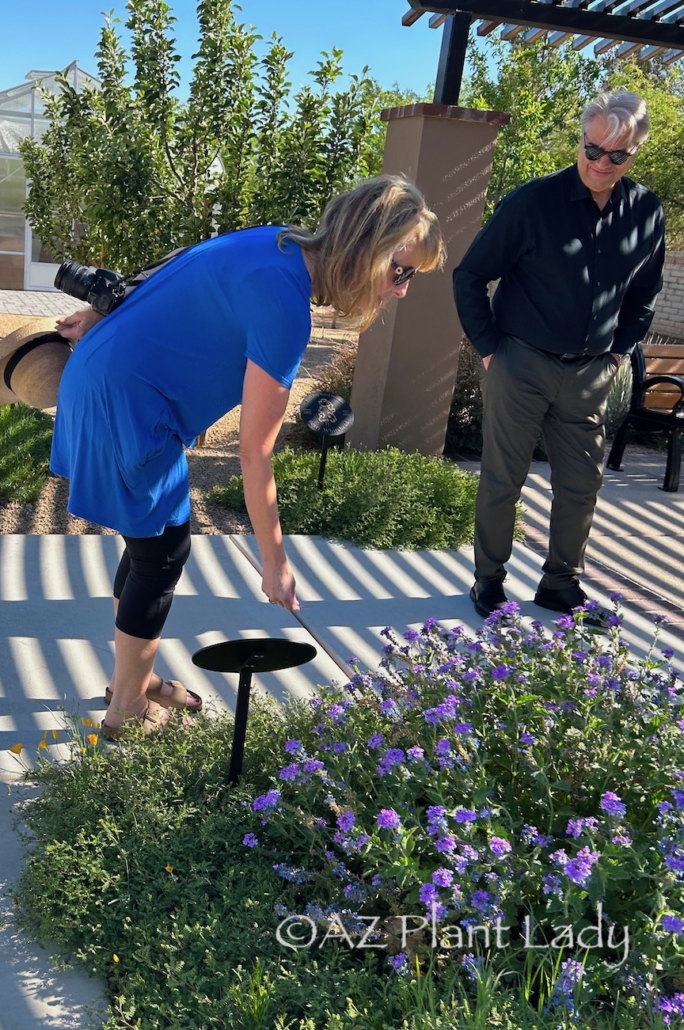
point(489, 831)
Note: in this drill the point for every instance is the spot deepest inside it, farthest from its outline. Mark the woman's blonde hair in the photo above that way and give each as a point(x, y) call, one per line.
point(357, 237)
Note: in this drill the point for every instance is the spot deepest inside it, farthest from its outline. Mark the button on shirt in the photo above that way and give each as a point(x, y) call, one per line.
point(574, 278)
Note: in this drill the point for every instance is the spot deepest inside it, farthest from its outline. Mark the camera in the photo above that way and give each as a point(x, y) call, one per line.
point(102, 289)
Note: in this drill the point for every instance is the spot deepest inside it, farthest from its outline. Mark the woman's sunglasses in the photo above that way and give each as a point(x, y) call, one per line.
point(617, 157)
point(402, 273)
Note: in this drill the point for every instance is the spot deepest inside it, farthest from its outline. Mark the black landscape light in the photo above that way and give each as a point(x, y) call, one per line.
point(245, 656)
point(328, 415)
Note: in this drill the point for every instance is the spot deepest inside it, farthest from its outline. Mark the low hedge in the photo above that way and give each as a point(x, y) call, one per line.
point(384, 499)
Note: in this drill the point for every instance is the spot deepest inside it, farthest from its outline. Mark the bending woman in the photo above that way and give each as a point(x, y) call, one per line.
point(225, 323)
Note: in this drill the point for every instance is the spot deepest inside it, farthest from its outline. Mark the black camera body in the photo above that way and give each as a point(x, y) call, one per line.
point(102, 289)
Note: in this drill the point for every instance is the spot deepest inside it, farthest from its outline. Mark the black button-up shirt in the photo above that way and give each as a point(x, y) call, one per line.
point(573, 278)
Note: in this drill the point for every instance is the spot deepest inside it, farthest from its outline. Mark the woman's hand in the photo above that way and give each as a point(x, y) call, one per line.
point(278, 584)
point(74, 327)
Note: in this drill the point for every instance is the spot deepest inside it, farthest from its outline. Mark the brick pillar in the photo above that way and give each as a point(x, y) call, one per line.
point(406, 366)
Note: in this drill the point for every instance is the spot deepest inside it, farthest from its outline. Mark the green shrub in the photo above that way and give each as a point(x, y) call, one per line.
point(371, 498)
point(172, 886)
point(25, 439)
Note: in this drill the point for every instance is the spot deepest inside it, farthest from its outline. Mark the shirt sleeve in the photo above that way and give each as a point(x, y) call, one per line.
point(278, 318)
point(494, 251)
point(638, 305)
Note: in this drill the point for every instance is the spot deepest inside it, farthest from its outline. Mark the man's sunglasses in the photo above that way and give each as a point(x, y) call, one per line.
point(617, 157)
point(402, 273)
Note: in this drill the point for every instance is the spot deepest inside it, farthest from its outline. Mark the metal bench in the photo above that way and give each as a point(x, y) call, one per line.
point(656, 406)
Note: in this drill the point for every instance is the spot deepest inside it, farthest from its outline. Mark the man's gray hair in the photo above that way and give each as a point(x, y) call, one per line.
point(623, 111)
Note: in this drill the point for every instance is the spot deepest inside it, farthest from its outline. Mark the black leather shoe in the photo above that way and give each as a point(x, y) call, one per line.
point(561, 600)
point(566, 600)
point(487, 595)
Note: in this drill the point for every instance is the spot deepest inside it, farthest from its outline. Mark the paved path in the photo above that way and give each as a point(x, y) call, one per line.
point(33, 302)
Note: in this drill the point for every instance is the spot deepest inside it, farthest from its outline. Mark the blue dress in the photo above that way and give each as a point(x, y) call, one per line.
point(167, 364)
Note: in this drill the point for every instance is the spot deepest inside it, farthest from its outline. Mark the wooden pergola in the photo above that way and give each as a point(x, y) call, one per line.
point(638, 28)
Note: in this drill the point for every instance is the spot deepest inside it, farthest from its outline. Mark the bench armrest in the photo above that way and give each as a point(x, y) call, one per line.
point(677, 381)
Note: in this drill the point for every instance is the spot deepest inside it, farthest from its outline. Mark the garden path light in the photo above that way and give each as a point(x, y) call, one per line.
point(245, 656)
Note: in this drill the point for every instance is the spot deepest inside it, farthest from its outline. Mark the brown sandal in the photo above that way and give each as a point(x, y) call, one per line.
point(151, 723)
point(178, 699)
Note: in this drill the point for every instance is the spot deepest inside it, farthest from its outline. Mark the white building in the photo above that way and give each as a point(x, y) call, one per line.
point(24, 262)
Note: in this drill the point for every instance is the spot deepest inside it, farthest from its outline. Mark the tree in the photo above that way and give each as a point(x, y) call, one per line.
point(545, 89)
point(125, 172)
point(660, 162)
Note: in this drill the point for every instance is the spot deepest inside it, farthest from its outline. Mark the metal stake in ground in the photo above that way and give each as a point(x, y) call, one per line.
point(245, 656)
point(328, 415)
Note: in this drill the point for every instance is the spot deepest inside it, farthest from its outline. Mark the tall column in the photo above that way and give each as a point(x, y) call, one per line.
point(407, 360)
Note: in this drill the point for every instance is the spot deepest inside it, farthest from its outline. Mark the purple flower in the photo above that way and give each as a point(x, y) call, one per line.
point(526, 738)
point(551, 885)
point(673, 924)
point(291, 746)
point(428, 893)
point(443, 877)
point(388, 819)
point(565, 622)
point(445, 844)
point(668, 652)
point(340, 746)
point(463, 727)
point(622, 840)
point(481, 900)
point(436, 819)
point(398, 962)
point(501, 672)
point(442, 747)
point(611, 804)
point(313, 765)
point(671, 1006)
point(411, 635)
point(269, 800)
point(375, 740)
point(678, 796)
point(499, 846)
point(575, 827)
point(465, 815)
point(578, 869)
point(415, 753)
point(346, 821)
point(559, 857)
point(531, 835)
point(289, 772)
point(250, 840)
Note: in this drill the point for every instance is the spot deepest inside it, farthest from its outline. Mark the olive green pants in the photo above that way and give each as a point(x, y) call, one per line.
point(526, 391)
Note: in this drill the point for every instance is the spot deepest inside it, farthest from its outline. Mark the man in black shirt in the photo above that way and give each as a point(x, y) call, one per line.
point(579, 255)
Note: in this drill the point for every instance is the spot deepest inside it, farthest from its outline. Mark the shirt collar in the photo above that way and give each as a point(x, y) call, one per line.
point(578, 191)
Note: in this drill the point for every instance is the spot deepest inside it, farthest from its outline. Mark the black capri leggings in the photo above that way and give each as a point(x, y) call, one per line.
point(146, 577)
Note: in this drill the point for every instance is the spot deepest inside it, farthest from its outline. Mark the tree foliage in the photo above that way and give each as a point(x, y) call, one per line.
point(126, 172)
point(544, 89)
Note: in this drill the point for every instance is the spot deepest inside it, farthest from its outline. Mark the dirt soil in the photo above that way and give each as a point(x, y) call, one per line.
point(210, 465)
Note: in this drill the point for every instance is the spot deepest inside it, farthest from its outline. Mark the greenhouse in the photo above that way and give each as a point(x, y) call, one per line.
point(24, 262)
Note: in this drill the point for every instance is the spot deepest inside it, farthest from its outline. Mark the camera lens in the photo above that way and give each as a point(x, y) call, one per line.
point(75, 279)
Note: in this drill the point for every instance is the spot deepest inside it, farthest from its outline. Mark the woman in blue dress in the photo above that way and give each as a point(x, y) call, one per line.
point(224, 323)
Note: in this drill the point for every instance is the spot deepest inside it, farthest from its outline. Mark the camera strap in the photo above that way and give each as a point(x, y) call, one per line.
point(130, 283)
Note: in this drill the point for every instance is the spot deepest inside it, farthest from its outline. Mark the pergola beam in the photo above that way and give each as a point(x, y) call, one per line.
point(533, 14)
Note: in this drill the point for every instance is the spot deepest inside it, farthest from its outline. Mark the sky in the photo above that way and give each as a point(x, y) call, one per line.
point(50, 34)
